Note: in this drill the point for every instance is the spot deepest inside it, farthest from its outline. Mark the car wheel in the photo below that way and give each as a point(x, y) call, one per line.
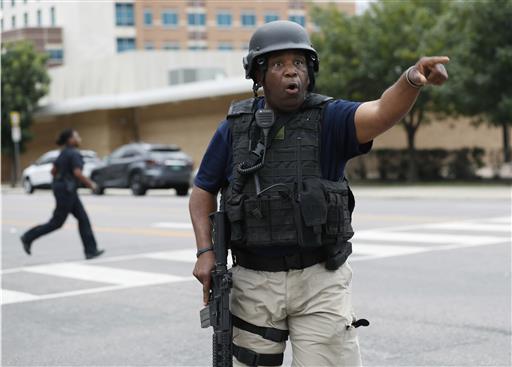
point(136, 185)
point(27, 186)
point(182, 191)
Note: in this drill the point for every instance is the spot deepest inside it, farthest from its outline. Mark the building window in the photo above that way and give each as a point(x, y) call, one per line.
point(171, 45)
point(148, 17)
point(298, 19)
point(13, 22)
point(248, 19)
point(125, 44)
point(124, 14)
point(39, 18)
point(169, 18)
point(25, 19)
point(225, 46)
point(149, 45)
point(13, 2)
point(56, 55)
point(224, 20)
point(197, 47)
point(195, 19)
point(270, 17)
point(1, 4)
point(52, 16)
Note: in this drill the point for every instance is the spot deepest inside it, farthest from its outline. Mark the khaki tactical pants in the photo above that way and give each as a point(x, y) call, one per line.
point(314, 304)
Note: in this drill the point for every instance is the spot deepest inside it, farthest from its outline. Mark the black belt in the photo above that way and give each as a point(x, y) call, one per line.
point(251, 358)
point(299, 260)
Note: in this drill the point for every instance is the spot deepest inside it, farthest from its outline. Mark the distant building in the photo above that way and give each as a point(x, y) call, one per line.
point(75, 31)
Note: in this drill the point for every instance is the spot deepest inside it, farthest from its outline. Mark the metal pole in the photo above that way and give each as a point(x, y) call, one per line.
point(16, 163)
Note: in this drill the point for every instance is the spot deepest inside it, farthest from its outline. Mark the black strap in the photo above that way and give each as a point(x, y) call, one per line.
point(251, 358)
point(298, 260)
point(269, 333)
point(360, 322)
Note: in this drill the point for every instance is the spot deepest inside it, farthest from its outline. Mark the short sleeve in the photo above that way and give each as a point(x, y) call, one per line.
point(339, 140)
point(76, 160)
point(216, 166)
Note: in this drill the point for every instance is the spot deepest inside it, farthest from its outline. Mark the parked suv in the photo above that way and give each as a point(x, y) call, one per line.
point(141, 166)
point(38, 174)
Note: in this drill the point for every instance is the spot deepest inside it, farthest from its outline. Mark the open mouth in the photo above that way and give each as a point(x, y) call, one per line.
point(292, 88)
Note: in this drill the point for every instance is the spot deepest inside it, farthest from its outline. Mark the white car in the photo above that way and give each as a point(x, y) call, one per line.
point(38, 174)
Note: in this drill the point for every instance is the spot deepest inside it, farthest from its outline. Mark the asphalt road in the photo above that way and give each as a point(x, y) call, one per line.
point(431, 274)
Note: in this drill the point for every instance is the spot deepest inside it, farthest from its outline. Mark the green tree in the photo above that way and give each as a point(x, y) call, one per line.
point(24, 81)
point(481, 86)
point(363, 55)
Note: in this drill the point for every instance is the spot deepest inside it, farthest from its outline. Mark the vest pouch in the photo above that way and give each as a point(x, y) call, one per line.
point(339, 215)
point(269, 221)
point(234, 211)
point(313, 207)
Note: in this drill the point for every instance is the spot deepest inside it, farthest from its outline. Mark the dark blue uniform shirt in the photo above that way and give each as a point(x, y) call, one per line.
point(338, 145)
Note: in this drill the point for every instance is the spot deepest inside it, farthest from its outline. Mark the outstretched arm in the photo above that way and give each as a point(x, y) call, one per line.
point(374, 117)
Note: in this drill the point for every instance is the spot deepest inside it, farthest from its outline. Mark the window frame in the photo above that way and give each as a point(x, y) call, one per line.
point(251, 14)
point(172, 13)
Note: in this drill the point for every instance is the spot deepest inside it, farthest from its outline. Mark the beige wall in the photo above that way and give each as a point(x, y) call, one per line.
point(191, 125)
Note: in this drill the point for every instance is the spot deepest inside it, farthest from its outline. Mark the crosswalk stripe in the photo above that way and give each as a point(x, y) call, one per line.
point(9, 296)
point(500, 220)
point(468, 226)
point(103, 274)
point(375, 250)
point(172, 225)
point(186, 255)
point(434, 238)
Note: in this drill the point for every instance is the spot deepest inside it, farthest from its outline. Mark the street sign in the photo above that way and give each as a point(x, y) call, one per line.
point(15, 127)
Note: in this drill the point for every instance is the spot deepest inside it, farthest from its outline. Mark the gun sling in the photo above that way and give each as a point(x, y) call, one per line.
point(276, 335)
point(251, 358)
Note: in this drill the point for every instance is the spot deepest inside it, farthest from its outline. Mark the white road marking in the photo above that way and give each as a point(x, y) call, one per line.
point(186, 255)
point(172, 225)
point(468, 226)
point(433, 238)
point(500, 220)
point(103, 274)
point(376, 250)
point(9, 296)
point(125, 279)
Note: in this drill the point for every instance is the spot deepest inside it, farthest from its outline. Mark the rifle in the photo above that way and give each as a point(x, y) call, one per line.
point(216, 313)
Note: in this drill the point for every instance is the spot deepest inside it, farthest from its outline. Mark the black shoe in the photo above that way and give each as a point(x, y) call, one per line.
point(94, 254)
point(26, 244)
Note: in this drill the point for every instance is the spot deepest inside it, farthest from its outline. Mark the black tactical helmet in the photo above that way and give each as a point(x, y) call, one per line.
point(278, 36)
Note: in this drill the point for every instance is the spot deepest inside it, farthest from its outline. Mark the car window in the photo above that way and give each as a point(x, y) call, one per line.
point(118, 153)
point(47, 158)
point(128, 153)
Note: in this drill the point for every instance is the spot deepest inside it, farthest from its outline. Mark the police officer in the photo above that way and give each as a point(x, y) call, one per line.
point(67, 173)
point(279, 161)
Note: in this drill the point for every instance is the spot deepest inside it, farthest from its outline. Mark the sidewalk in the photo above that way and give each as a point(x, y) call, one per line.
point(448, 191)
point(491, 191)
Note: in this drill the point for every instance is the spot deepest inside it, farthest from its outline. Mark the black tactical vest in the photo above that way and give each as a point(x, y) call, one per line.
point(297, 207)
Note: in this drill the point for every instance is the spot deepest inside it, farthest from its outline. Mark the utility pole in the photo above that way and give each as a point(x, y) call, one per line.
point(16, 138)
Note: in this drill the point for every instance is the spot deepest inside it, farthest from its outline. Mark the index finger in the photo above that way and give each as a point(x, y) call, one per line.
point(432, 60)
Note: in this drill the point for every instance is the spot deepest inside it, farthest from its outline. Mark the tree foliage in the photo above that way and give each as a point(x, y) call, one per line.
point(24, 81)
point(480, 38)
point(361, 56)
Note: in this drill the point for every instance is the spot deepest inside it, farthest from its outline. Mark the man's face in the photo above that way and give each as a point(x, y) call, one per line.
point(286, 80)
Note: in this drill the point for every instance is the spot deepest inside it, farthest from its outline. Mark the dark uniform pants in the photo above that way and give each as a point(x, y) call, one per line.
point(67, 202)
